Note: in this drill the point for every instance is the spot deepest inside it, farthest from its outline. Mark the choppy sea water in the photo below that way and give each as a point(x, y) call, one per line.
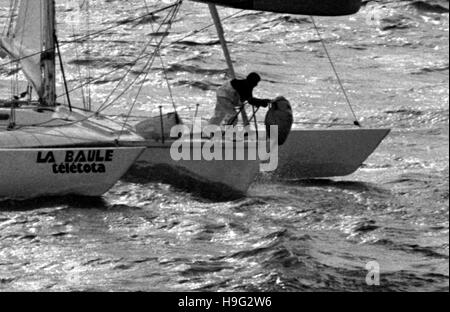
point(313, 235)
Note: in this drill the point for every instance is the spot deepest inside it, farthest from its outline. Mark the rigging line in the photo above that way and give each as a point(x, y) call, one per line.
point(175, 12)
point(152, 59)
point(118, 24)
point(129, 70)
point(118, 123)
point(8, 21)
point(132, 64)
point(44, 124)
point(356, 122)
point(194, 32)
point(58, 133)
point(331, 124)
point(164, 68)
point(82, 4)
point(67, 123)
point(98, 111)
point(16, 80)
point(11, 85)
point(164, 72)
point(145, 55)
point(62, 71)
point(12, 120)
point(89, 55)
point(146, 6)
point(12, 8)
point(32, 132)
point(168, 84)
point(71, 123)
point(79, 70)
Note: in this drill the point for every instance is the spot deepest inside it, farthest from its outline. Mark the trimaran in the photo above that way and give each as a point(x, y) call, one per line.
point(307, 153)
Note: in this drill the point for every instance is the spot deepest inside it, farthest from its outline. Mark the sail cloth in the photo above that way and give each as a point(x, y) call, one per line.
point(303, 7)
point(24, 42)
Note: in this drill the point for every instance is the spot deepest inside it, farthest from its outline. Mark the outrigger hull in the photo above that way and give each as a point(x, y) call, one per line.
point(327, 153)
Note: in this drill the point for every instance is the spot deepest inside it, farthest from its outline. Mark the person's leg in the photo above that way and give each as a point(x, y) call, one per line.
point(245, 117)
point(222, 111)
point(218, 116)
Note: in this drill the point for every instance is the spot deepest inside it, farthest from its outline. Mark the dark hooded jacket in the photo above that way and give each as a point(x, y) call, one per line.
point(245, 91)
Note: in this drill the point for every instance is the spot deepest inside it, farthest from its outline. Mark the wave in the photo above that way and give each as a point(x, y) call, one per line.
point(397, 21)
point(433, 69)
point(412, 248)
point(195, 70)
point(202, 85)
point(402, 117)
point(150, 19)
point(430, 6)
point(99, 62)
point(425, 6)
point(4, 71)
point(405, 111)
point(205, 267)
point(209, 42)
point(295, 20)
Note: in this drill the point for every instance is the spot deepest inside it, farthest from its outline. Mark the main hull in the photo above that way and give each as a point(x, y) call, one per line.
point(30, 173)
point(221, 177)
point(55, 152)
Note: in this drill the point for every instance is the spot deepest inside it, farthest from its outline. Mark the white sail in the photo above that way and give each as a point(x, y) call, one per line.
point(24, 41)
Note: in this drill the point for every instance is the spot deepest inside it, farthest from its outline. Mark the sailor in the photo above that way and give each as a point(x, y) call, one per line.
point(234, 94)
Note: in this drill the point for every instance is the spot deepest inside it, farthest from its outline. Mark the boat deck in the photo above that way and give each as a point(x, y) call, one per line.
point(55, 127)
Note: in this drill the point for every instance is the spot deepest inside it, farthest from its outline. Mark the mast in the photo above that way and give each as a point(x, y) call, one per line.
point(223, 42)
point(226, 52)
point(48, 56)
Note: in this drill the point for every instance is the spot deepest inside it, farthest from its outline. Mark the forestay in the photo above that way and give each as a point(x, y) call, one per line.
point(303, 7)
point(23, 40)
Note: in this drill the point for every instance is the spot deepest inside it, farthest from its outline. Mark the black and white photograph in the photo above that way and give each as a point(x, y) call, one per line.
point(249, 148)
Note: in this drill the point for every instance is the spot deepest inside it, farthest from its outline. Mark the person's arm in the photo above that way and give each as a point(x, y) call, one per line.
point(259, 102)
point(255, 101)
point(246, 95)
